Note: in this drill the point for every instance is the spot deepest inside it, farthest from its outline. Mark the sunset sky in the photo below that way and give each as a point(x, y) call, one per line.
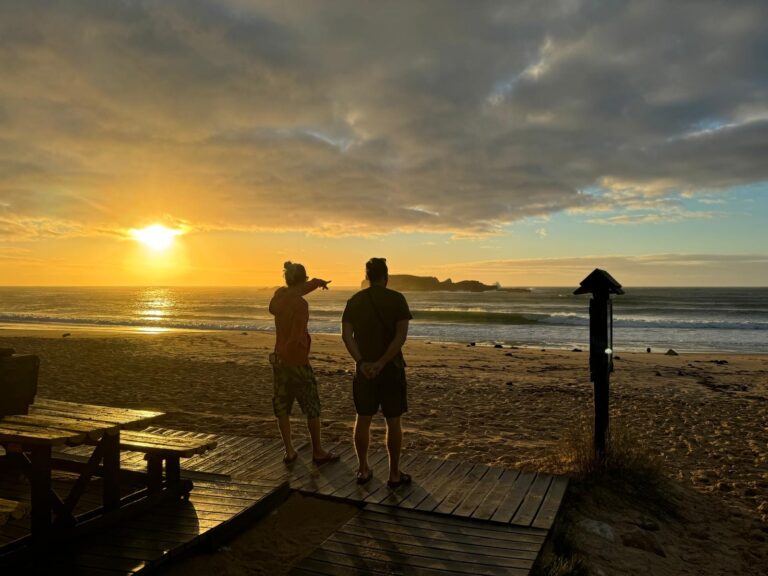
point(520, 142)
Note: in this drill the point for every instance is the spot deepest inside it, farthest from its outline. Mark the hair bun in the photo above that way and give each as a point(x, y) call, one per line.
point(287, 264)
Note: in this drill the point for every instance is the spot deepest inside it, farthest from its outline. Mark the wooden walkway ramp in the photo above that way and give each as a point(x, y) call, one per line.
point(388, 540)
point(217, 509)
point(452, 487)
point(456, 518)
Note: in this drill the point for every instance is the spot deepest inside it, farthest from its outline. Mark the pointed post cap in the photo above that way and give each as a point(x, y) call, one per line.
point(599, 282)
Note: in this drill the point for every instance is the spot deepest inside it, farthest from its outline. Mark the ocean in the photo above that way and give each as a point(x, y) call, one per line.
point(685, 319)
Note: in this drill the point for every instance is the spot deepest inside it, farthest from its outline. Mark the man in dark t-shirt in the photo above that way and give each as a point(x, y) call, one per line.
point(374, 328)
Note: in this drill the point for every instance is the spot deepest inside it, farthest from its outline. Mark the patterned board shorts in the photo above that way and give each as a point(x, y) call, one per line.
point(295, 383)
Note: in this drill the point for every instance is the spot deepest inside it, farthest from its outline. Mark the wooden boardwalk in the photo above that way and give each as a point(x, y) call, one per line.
point(456, 518)
point(460, 489)
point(388, 540)
point(452, 487)
point(218, 508)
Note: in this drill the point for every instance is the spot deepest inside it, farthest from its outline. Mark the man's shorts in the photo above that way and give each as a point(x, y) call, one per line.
point(295, 383)
point(388, 390)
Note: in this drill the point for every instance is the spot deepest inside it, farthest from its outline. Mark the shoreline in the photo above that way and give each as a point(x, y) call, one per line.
point(90, 330)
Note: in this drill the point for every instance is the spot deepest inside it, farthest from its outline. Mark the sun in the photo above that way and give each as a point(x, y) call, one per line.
point(156, 237)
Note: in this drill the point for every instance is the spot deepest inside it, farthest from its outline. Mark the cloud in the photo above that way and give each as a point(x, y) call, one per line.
point(338, 118)
point(638, 270)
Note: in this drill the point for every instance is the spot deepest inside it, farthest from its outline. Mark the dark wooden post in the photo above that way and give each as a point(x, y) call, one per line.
point(601, 285)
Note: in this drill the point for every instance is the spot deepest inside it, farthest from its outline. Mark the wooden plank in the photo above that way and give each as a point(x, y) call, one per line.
point(275, 467)
point(451, 523)
point(156, 446)
point(270, 464)
point(227, 444)
point(354, 491)
point(513, 498)
point(256, 458)
point(405, 466)
point(310, 479)
point(221, 460)
point(545, 518)
point(17, 434)
point(76, 407)
point(324, 567)
point(125, 565)
point(425, 548)
point(380, 471)
point(428, 484)
point(332, 563)
point(420, 473)
point(530, 505)
point(91, 430)
point(337, 475)
point(463, 491)
point(510, 543)
point(302, 466)
point(12, 510)
point(122, 421)
point(437, 540)
point(408, 561)
point(208, 441)
point(476, 494)
point(490, 503)
point(455, 479)
point(345, 451)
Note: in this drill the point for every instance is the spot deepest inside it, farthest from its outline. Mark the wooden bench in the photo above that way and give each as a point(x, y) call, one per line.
point(159, 448)
point(11, 509)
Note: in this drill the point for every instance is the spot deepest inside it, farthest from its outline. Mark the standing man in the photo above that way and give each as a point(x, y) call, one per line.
point(374, 327)
point(293, 376)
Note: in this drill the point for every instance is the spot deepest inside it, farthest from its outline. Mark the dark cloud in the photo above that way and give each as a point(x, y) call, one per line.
point(366, 118)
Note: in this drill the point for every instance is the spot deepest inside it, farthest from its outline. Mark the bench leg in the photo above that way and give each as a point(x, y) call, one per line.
point(110, 445)
point(40, 486)
point(154, 473)
point(173, 477)
point(172, 471)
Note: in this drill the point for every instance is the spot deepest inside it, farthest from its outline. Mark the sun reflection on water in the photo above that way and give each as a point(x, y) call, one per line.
point(155, 305)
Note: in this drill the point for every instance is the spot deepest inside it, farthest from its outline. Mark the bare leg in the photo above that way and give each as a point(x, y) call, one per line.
point(394, 445)
point(313, 424)
point(284, 425)
point(362, 440)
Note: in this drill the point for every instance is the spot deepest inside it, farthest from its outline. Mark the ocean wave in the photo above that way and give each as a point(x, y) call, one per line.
point(685, 324)
point(472, 317)
point(327, 319)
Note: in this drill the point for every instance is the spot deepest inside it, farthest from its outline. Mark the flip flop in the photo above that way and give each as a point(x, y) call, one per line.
point(404, 479)
point(364, 479)
point(290, 459)
point(330, 457)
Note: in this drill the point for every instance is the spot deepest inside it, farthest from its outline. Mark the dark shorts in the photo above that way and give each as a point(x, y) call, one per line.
point(388, 391)
point(295, 383)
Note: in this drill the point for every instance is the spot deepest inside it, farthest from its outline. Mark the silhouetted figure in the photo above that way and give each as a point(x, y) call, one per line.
point(374, 329)
point(293, 375)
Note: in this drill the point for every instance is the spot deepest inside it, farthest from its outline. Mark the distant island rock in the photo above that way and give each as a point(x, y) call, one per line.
point(410, 283)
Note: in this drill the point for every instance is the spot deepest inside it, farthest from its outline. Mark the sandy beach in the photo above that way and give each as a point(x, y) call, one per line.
point(705, 415)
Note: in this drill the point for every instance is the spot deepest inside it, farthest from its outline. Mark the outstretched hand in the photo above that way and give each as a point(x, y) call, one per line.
point(324, 284)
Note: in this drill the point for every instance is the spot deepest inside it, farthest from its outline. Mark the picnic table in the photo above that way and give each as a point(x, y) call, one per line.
point(29, 440)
